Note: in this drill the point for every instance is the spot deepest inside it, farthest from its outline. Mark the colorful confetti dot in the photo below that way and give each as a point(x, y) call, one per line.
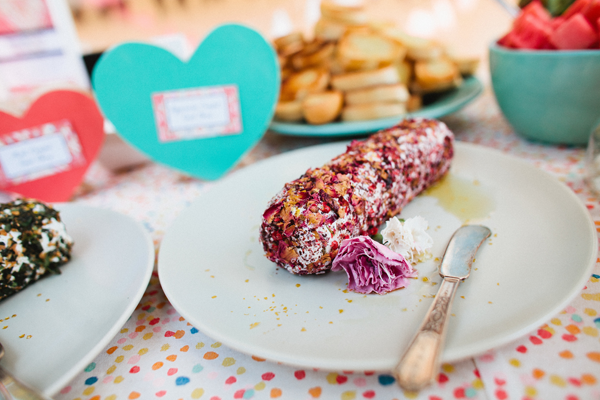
point(558, 381)
point(157, 365)
point(594, 356)
point(267, 376)
point(448, 368)
point(228, 361)
point(315, 392)
point(566, 354)
point(386, 380)
point(369, 394)
point(350, 395)
point(538, 373)
point(569, 338)
point(588, 379)
point(231, 380)
point(197, 368)
point(535, 340)
point(590, 312)
point(530, 391)
point(91, 381)
point(573, 329)
point(590, 331)
point(182, 380)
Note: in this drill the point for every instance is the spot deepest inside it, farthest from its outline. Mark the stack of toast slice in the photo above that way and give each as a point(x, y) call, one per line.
point(355, 69)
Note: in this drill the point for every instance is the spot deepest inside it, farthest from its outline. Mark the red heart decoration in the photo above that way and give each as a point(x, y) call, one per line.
point(81, 112)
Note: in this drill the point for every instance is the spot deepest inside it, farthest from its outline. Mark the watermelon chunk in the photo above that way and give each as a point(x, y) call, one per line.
point(575, 8)
point(575, 33)
point(506, 40)
point(592, 12)
point(532, 32)
point(536, 9)
point(556, 22)
point(511, 39)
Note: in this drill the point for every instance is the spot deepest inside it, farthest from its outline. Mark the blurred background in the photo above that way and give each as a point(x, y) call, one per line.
point(43, 42)
point(466, 25)
point(41, 39)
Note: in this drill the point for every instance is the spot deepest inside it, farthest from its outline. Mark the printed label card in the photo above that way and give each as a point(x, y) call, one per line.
point(197, 113)
point(45, 153)
point(201, 116)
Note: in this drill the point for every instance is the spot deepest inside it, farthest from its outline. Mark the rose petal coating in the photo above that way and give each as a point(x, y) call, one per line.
point(372, 267)
point(353, 194)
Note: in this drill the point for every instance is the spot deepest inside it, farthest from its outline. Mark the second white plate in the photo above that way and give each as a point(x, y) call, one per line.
point(213, 270)
point(59, 324)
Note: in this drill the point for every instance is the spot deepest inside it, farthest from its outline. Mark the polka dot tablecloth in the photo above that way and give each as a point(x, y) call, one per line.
point(158, 355)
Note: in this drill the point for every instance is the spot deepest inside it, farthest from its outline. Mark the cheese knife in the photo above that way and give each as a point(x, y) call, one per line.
point(420, 363)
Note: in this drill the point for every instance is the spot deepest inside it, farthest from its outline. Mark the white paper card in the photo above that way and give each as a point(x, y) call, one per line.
point(34, 155)
point(197, 113)
point(202, 110)
point(39, 151)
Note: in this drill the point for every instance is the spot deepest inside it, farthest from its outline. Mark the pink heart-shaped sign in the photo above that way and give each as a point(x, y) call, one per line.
point(45, 153)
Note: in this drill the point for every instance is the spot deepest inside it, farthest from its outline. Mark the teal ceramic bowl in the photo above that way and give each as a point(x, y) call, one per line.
point(548, 96)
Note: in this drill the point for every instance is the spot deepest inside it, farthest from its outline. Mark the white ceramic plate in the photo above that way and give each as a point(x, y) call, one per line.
point(444, 104)
point(542, 250)
point(68, 319)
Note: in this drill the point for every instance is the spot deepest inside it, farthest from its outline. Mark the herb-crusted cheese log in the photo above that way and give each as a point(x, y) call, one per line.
point(353, 194)
point(33, 241)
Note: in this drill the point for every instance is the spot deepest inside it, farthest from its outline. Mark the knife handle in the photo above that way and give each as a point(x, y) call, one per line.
point(12, 389)
point(419, 365)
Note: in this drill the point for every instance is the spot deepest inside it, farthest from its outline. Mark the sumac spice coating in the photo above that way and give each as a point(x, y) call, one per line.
point(353, 194)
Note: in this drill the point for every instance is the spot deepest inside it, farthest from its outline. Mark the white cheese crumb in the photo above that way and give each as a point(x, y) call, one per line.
point(408, 239)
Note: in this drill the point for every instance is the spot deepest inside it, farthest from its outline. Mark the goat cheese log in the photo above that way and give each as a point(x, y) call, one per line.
point(353, 194)
point(33, 242)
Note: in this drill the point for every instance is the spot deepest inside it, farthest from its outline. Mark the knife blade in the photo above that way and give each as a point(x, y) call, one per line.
point(420, 363)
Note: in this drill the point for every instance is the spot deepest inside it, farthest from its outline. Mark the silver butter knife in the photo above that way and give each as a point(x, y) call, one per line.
point(419, 365)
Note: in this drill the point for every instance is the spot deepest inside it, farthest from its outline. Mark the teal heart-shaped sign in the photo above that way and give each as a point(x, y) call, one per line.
point(201, 116)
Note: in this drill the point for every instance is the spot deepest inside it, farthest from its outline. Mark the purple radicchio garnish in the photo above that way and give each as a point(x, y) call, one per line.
point(371, 266)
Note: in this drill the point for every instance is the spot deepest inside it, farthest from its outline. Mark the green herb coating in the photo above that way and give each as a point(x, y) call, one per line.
point(33, 242)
